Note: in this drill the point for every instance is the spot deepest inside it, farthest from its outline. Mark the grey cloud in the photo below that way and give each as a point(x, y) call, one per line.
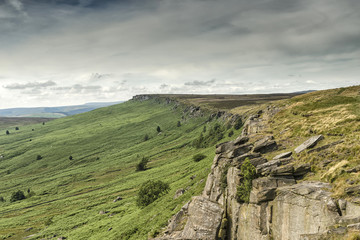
point(30, 85)
point(200, 83)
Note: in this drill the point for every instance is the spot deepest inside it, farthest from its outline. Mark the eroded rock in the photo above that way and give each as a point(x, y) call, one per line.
point(311, 142)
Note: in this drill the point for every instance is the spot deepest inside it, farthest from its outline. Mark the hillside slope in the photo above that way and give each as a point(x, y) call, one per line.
point(74, 197)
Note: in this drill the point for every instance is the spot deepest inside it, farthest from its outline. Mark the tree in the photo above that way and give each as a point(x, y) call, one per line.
point(179, 124)
point(70, 157)
point(38, 157)
point(158, 129)
point(16, 196)
point(141, 166)
point(248, 171)
point(16, 128)
point(150, 191)
point(231, 133)
point(7, 132)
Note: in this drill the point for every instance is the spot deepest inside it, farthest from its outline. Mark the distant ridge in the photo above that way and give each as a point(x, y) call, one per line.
point(54, 112)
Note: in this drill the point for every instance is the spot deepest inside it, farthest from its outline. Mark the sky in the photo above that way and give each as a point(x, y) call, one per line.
point(67, 52)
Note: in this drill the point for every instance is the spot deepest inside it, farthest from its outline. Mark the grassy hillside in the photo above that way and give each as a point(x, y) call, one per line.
point(333, 113)
point(105, 145)
point(10, 123)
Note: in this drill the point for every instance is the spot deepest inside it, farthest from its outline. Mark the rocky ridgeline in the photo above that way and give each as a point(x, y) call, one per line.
point(280, 207)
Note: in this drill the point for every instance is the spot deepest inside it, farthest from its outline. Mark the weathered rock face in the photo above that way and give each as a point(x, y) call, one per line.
point(280, 208)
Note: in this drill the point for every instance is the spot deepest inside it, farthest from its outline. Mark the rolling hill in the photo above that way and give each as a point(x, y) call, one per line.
point(73, 169)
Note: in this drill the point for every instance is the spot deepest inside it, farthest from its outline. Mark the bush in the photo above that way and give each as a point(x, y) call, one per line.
point(7, 132)
point(178, 124)
point(146, 137)
point(2, 199)
point(158, 129)
point(231, 133)
point(16, 128)
point(150, 191)
point(16, 196)
point(141, 166)
point(198, 157)
point(248, 172)
point(70, 157)
point(38, 157)
point(238, 124)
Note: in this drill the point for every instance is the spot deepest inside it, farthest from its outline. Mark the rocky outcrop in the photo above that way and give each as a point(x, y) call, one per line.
point(279, 208)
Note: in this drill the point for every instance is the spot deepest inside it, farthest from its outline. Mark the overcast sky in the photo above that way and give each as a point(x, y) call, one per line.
point(64, 52)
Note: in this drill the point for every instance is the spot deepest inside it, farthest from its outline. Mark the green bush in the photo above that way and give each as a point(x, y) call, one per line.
point(150, 191)
point(141, 166)
point(238, 124)
point(146, 137)
point(158, 129)
point(2, 199)
point(16, 196)
point(231, 133)
point(198, 157)
point(7, 132)
point(248, 173)
point(38, 157)
point(178, 124)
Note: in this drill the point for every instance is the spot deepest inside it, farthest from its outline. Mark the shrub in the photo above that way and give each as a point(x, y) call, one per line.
point(70, 157)
point(2, 199)
point(231, 133)
point(198, 157)
point(7, 132)
point(146, 137)
point(158, 129)
point(238, 124)
point(248, 173)
point(16, 128)
point(141, 166)
point(16, 196)
point(150, 191)
point(178, 124)
point(38, 157)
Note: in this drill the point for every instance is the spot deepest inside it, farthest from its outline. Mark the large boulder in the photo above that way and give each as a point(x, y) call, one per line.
point(265, 145)
point(311, 142)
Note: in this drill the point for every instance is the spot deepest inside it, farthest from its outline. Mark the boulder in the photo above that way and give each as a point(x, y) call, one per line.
point(282, 155)
point(224, 147)
point(264, 195)
point(286, 170)
point(118, 198)
point(240, 150)
point(302, 169)
point(179, 192)
point(241, 140)
point(265, 145)
point(245, 156)
point(311, 142)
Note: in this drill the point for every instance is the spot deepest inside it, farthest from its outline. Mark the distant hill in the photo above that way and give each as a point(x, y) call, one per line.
point(53, 112)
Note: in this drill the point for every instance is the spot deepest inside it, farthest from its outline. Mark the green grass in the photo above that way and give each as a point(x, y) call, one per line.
point(106, 144)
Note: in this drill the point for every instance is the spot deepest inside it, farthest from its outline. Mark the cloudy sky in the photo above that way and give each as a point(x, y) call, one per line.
point(62, 52)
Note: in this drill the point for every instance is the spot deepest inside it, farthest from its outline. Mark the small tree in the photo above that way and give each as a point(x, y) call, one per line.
point(70, 157)
point(7, 132)
point(178, 124)
point(231, 133)
point(158, 129)
point(16, 128)
point(150, 191)
point(141, 166)
point(16, 196)
point(248, 171)
point(38, 157)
